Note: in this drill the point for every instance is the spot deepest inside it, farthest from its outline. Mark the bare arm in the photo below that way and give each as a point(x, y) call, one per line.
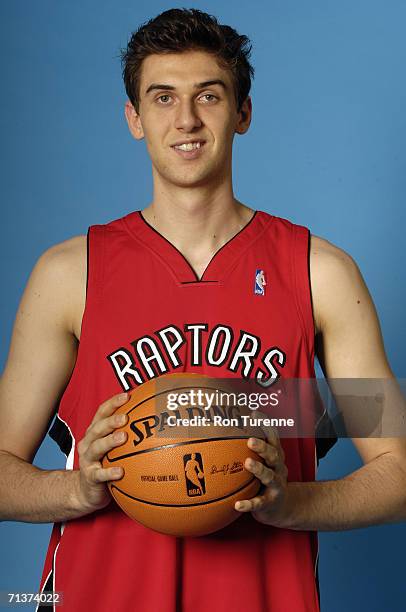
point(41, 359)
point(350, 346)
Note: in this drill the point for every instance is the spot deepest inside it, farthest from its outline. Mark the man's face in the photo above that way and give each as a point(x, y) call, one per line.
point(187, 98)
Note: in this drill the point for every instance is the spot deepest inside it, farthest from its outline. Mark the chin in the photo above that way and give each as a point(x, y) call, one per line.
point(192, 180)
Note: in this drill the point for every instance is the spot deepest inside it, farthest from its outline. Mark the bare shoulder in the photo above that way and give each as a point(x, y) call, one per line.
point(62, 271)
point(335, 279)
point(64, 263)
point(43, 347)
point(68, 252)
point(325, 253)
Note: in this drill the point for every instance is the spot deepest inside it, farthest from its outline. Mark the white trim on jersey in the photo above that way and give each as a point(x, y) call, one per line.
point(53, 574)
point(42, 590)
point(322, 415)
point(69, 459)
point(68, 466)
point(52, 571)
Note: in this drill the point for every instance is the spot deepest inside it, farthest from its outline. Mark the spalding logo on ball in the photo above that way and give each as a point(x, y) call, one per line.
point(179, 481)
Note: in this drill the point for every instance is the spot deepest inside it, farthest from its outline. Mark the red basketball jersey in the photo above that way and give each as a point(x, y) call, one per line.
point(147, 314)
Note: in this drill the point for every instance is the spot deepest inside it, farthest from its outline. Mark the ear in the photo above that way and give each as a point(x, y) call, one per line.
point(133, 121)
point(244, 117)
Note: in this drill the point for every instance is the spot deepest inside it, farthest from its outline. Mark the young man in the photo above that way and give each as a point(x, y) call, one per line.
point(146, 294)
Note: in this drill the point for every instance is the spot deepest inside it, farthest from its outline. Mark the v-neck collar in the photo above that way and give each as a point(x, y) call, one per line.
point(218, 265)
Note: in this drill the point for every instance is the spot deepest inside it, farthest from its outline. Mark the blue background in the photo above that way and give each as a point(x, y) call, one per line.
point(326, 149)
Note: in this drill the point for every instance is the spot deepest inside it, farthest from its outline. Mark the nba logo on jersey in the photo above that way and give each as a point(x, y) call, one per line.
point(260, 282)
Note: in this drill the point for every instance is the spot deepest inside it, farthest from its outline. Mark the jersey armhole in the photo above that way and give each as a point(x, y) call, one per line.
point(325, 435)
point(75, 389)
point(302, 285)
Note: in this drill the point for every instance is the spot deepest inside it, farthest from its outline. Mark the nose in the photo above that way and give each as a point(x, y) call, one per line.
point(187, 118)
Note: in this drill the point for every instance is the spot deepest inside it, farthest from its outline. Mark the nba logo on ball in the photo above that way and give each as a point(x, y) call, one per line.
point(260, 282)
point(194, 474)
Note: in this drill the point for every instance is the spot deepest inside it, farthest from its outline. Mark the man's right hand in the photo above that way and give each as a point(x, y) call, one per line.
point(93, 493)
point(42, 355)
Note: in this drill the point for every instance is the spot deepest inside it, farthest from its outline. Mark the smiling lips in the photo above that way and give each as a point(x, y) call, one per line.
point(188, 149)
point(189, 146)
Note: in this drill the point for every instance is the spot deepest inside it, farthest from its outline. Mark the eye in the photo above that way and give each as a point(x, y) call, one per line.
point(209, 97)
point(164, 98)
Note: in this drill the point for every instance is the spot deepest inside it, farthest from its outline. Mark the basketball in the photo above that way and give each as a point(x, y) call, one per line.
point(180, 480)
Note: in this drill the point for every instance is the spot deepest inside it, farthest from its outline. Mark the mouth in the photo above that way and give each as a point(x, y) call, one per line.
point(189, 149)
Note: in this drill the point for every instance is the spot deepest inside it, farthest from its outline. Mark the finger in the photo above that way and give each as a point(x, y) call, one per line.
point(98, 448)
point(250, 505)
point(271, 433)
point(282, 471)
point(109, 406)
point(269, 453)
point(104, 426)
point(99, 474)
point(261, 471)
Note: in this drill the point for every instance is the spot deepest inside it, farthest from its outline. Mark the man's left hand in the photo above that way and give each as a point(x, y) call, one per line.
point(269, 507)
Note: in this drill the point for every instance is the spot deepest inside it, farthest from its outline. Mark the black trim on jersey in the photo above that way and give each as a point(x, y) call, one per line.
point(203, 503)
point(197, 279)
point(252, 357)
point(47, 588)
point(326, 436)
point(201, 282)
point(228, 350)
point(133, 367)
point(153, 364)
point(172, 245)
point(60, 434)
point(317, 580)
point(228, 241)
point(200, 331)
point(325, 426)
point(309, 279)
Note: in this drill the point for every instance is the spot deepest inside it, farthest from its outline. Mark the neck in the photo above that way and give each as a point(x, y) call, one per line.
point(197, 221)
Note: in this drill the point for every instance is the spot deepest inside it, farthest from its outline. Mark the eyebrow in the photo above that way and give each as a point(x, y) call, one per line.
point(155, 86)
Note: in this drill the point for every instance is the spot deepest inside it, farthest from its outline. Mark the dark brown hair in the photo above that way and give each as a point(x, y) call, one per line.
point(179, 30)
